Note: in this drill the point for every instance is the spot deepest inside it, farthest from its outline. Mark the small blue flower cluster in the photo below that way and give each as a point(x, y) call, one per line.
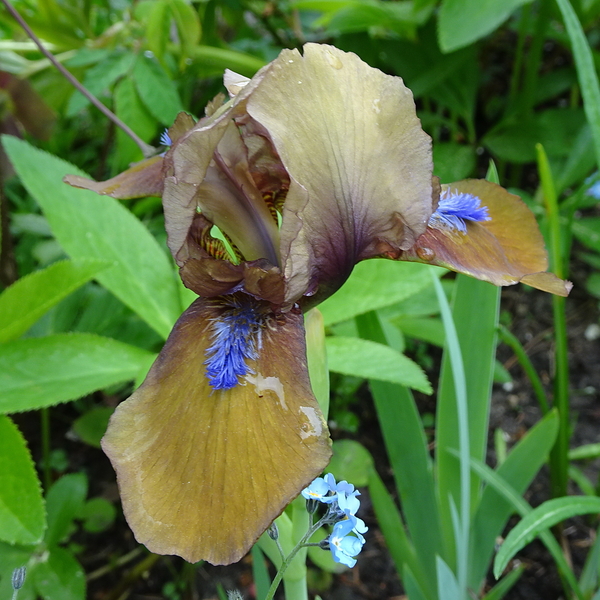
point(455, 208)
point(594, 189)
point(342, 505)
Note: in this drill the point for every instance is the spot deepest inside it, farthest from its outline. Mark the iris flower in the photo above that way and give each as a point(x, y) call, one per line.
point(316, 163)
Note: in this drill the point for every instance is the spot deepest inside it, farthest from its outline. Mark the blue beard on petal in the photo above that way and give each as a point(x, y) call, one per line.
point(235, 339)
point(455, 208)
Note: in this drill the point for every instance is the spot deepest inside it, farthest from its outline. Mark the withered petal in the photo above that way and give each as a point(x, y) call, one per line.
point(143, 179)
point(203, 473)
point(505, 250)
point(359, 163)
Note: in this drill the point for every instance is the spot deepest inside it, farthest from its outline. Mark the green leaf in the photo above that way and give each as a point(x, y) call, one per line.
point(539, 519)
point(363, 358)
point(587, 231)
point(38, 372)
point(409, 456)
point(91, 226)
point(375, 284)
point(156, 90)
point(99, 78)
point(188, 27)
point(98, 515)
point(505, 584)
point(158, 25)
point(24, 302)
point(260, 573)
point(453, 161)
point(64, 502)
point(493, 511)
point(584, 452)
point(91, 426)
point(60, 577)
point(11, 558)
point(131, 110)
point(212, 61)
point(22, 516)
point(448, 588)
point(586, 71)
point(462, 22)
point(351, 461)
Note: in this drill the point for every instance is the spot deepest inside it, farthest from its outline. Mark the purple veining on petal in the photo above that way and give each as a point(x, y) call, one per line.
point(455, 208)
point(235, 339)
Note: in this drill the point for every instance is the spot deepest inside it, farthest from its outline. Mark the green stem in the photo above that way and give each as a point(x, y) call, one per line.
point(536, 383)
point(559, 462)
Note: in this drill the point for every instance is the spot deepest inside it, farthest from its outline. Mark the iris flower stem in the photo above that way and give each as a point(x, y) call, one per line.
point(559, 462)
point(146, 149)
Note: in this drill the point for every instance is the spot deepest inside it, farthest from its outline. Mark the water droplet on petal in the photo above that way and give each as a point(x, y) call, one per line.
point(426, 254)
point(376, 106)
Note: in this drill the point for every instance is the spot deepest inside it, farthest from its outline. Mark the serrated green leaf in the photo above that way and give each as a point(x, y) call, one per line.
point(22, 517)
point(64, 502)
point(38, 372)
point(60, 577)
point(91, 226)
point(538, 520)
point(188, 27)
point(363, 358)
point(24, 302)
point(131, 110)
point(99, 78)
point(156, 90)
point(462, 22)
point(158, 25)
point(375, 284)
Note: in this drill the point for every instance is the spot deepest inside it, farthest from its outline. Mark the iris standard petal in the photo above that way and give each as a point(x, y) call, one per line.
point(203, 473)
point(358, 160)
point(503, 245)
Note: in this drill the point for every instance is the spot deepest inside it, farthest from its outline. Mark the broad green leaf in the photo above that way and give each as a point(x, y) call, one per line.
point(98, 514)
point(60, 577)
point(586, 71)
point(64, 502)
point(22, 517)
point(38, 372)
point(158, 26)
point(351, 461)
point(100, 77)
point(156, 90)
point(462, 22)
point(188, 27)
point(453, 161)
point(375, 284)
point(539, 519)
point(24, 302)
point(363, 358)
point(260, 573)
point(131, 110)
point(411, 586)
point(91, 226)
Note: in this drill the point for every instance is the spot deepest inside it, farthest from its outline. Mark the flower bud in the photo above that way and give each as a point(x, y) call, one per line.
point(18, 578)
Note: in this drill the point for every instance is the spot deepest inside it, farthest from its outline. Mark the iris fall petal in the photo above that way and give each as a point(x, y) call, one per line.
point(203, 472)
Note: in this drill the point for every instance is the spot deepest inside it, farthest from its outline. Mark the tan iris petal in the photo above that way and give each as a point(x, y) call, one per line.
point(358, 160)
point(507, 249)
point(203, 473)
point(143, 179)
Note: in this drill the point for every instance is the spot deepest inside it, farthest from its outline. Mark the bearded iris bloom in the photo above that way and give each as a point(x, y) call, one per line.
point(316, 163)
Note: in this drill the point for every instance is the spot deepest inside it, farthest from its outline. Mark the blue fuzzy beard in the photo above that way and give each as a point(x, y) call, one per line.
point(455, 208)
point(235, 339)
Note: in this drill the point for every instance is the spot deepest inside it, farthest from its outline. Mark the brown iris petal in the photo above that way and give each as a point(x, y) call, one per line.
point(358, 160)
point(505, 250)
point(202, 473)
